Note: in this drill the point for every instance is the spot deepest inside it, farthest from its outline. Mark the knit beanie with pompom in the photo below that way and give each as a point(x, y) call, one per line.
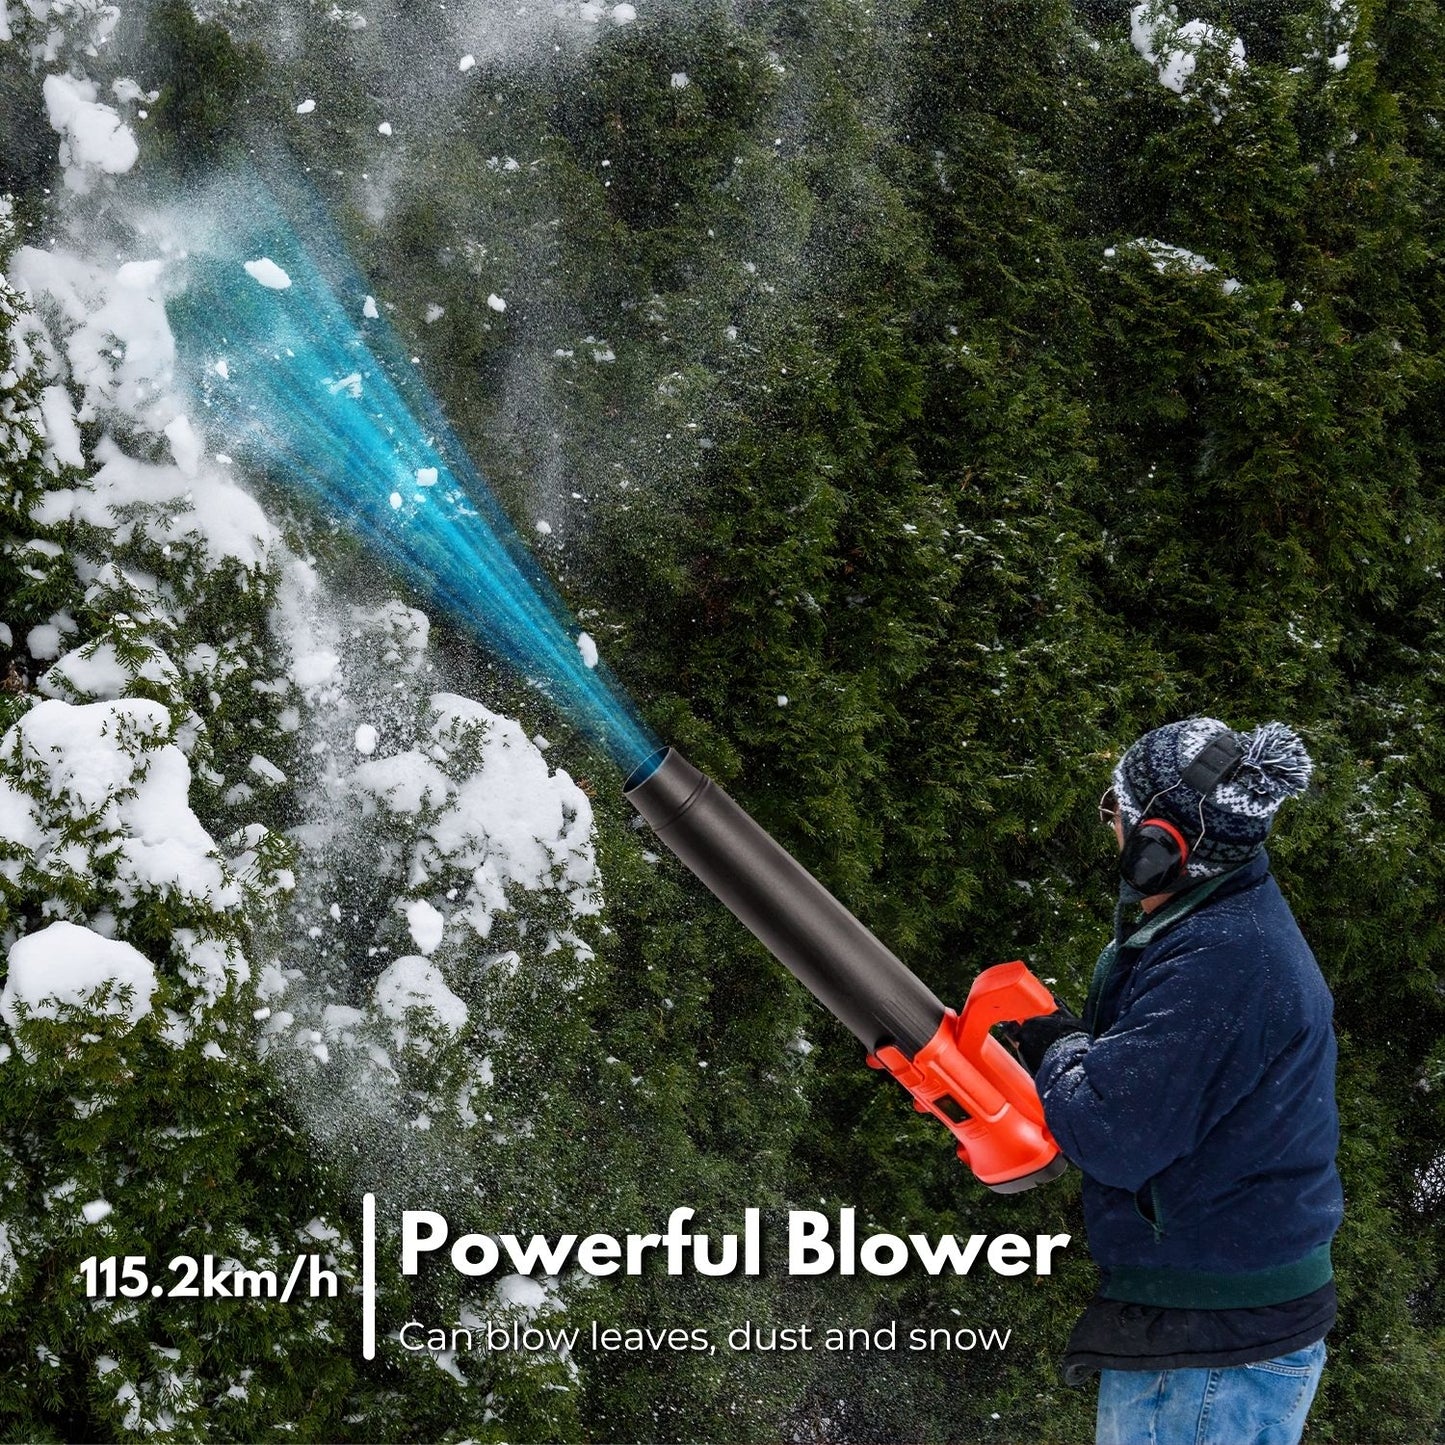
point(1237, 813)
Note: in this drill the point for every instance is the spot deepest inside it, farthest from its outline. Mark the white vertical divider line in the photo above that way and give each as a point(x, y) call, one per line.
point(368, 1276)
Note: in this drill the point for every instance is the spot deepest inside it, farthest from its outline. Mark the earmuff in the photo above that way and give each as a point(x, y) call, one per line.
point(1156, 851)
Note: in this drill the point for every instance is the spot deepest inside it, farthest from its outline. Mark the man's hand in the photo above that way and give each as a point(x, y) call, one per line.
point(1032, 1039)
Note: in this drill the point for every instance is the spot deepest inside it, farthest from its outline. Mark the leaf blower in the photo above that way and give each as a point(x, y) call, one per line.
point(949, 1062)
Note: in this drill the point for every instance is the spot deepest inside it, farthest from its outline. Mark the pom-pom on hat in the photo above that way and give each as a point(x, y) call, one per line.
point(1237, 813)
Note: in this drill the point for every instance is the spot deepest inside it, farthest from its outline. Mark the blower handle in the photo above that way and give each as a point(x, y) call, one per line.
point(976, 1087)
point(1005, 993)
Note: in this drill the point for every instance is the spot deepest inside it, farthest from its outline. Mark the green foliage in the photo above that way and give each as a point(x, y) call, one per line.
point(210, 84)
point(33, 588)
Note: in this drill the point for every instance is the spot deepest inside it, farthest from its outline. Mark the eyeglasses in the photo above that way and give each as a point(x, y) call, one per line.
point(1108, 806)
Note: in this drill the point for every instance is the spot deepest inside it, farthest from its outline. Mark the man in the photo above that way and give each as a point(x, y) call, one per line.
point(1196, 1096)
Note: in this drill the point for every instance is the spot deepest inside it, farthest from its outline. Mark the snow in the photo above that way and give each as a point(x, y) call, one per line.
point(314, 667)
point(384, 128)
point(268, 273)
point(96, 1210)
point(425, 925)
point(265, 769)
point(1174, 49)
point(1167, 257)
point(406, 782)
point(140, 275)
point(1164, 255)
point(109, 763)
point(544, 528)
point(416, 983)
point(680, 80)
point(306, 107)
point(510, 822)
point(623, 14)
point(60, 429)
point(93, 777)
point(466, 63)
point(522, 1291)
point(339, 1023)
point(213, 508)
point(65, 964)
point(113, 326)
point(95, 141)
point(210, 965)
point(95, 673)
point(588, 648)
point(43, 642)
point(185, 445)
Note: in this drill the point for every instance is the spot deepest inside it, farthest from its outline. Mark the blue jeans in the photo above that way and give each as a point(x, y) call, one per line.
point(1260, 1404)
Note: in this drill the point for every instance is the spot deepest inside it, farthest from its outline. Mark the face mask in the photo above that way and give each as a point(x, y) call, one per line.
point(1125, 910)
point(1129, 896)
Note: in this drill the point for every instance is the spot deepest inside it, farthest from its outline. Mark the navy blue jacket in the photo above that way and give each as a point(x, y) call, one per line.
point(1201, 1107)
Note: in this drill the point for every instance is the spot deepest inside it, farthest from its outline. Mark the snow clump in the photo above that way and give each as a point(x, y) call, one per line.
point(267, 273)
point(417, 983)
point(67, 965)
point(1174, 49)
point(425, 925)
point(109, 763)
point(95, 141)
point(1166, 257)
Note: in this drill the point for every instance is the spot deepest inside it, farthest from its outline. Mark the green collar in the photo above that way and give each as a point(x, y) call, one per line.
point(1155, 923)
point(1150, 928)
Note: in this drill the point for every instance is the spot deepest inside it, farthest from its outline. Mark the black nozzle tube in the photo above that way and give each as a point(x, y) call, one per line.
point(857, 979)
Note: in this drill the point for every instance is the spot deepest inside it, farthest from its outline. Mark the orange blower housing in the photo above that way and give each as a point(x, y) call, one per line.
point(976, 1088)
point(947, 1061)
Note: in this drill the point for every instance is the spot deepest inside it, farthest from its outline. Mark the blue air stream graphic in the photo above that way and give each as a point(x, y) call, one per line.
point(299, 375)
